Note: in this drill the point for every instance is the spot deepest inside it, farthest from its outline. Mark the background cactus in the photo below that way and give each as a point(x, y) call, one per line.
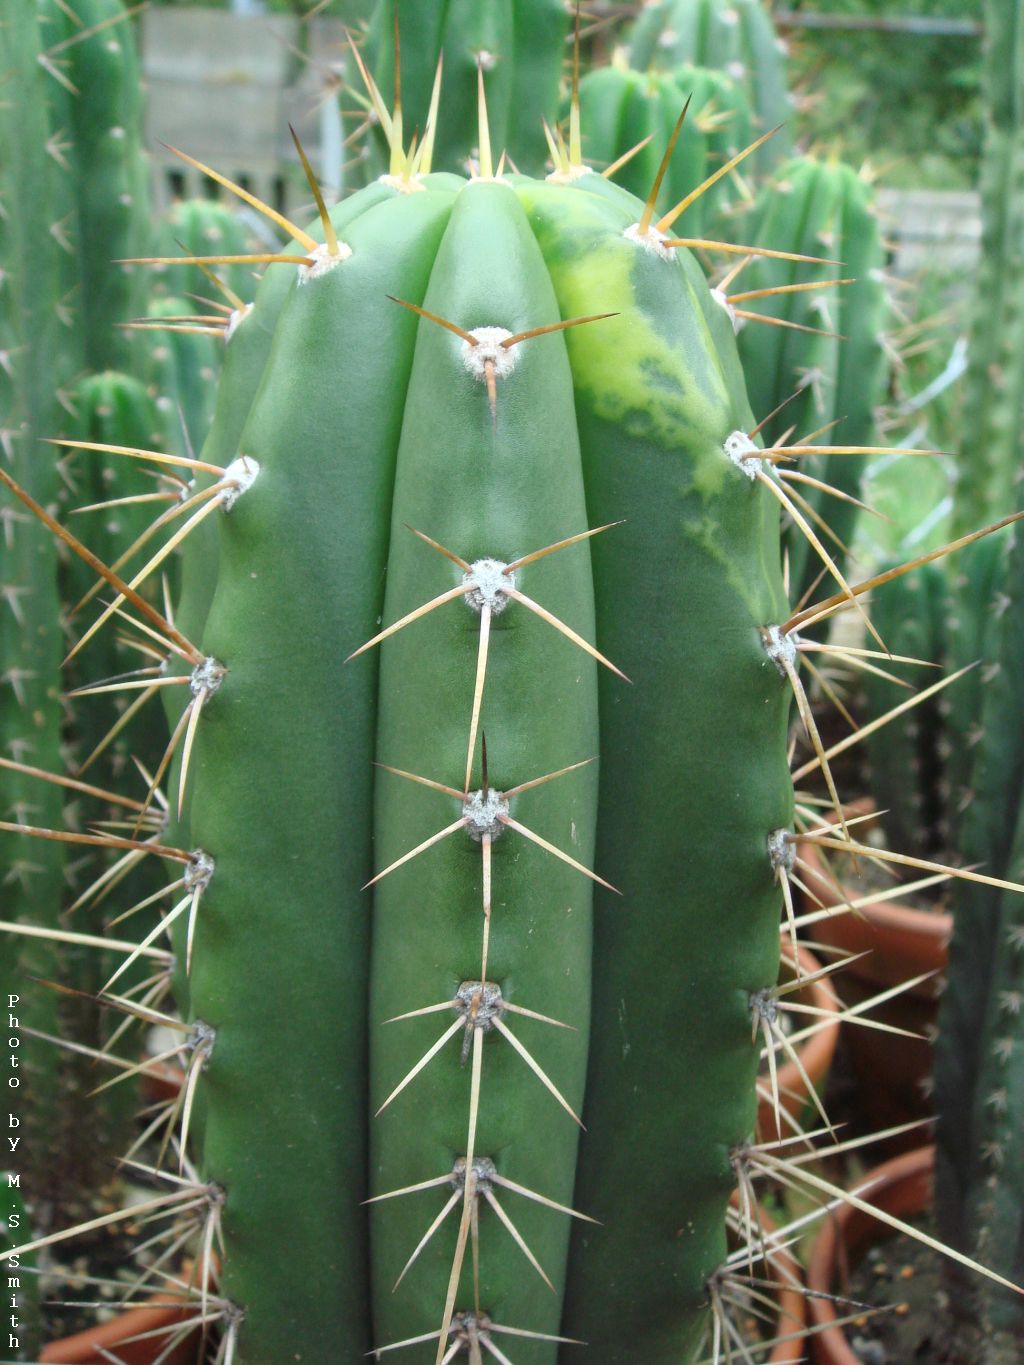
point(519, 46)
point(979, 1058)
point(908, 765)
point(110, 174)
point(621, 108)
point(994, 390)
point(828, 347)
point(734, 36)
point(978, 1066)
point(74, 194)
point(31, 643)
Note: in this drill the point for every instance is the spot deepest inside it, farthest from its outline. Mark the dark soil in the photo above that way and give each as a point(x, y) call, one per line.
point(911, 1283)
point(70, 1299)
point(905, 1279)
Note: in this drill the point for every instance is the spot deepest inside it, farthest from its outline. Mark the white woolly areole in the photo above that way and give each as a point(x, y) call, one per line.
point(780, 647)
point(744, 454)
point(487, 585)
point(469, 1328)
point(722, 300)
point(781, 850)
point(483, 999)
point(201, 1040)
point(484, 1170)
point(198, 870)
point(576, 172)
point(240, 475)
point(489, 348)
point(238, 315)
point(404, 184)
point(652, 240)
point(207, 677)
point(324, 259)
point(485, 60)
point(764, 1005)
point(482, 811)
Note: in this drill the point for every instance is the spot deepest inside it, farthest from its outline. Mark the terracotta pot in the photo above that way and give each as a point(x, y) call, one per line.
point(153, 1321)
point(903, 1187)
point(112, 1340)
point(792, 1319)
point(815, 1053)
point(902, 942)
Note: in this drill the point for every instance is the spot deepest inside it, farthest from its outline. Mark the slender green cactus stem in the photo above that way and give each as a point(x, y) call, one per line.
point(624, 109)
point(814, 341)
point(30, 634)
point(994, 388)
point(735, 36)
point(518, 44)
point(978, 1064)
point(111, 177)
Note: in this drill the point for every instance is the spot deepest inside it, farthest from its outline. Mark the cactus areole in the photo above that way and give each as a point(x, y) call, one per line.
point(474, 886)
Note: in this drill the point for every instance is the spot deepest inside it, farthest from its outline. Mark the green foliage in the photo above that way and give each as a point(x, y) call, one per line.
point(908, 103)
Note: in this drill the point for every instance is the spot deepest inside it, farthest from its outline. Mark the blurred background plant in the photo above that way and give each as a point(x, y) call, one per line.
point(911, 104)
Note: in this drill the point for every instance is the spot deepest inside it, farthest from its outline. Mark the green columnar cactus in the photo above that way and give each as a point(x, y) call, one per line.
point(110, 175)
point(187, 322)
point(450, 882)
point(622, 107)
point(734, 36)
point(994, 391)
point(979, 1057)
point(922, 773)
point(110, 409)
point(184, 361)
point(638, 414)
point(520, 47)
point(206, 227)
point(823, 209)
point(30, 636)
point(908, 763)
